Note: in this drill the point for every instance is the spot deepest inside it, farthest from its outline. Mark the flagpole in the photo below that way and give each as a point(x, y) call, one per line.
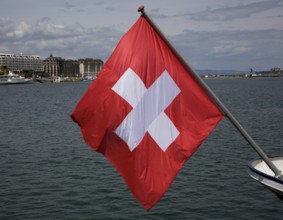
point(214, 98)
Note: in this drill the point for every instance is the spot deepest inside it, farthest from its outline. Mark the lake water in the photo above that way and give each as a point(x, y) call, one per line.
point(48, 172)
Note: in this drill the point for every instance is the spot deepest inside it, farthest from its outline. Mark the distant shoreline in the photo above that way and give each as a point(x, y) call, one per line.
point(245, 75)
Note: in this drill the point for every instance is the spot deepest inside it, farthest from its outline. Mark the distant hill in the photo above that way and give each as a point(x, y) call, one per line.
point(219, 72)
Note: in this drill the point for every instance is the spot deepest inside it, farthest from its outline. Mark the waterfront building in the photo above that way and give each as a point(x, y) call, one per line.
point(71, 68)
point(56, 66)
point(20, 62)
point(90, 67)
point(53, 66)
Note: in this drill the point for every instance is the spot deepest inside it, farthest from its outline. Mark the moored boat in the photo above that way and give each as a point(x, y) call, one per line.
point(12, 78)
point(261, 172)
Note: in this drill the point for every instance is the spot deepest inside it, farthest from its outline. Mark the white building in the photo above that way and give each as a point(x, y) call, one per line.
point(90, 67)
point(20, 62)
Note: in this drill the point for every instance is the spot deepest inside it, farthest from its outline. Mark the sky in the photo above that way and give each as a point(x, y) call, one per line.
point(217, 35)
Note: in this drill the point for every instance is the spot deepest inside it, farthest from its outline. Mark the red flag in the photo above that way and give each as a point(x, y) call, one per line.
point(145, 113)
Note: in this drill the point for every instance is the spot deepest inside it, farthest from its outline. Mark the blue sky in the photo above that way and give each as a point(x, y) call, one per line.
point(219, 34)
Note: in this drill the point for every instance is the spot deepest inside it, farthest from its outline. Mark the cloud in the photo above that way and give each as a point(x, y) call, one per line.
point(236, 12)
point(43, 37)
point(241, 44)
point(239, 11)
point(156, 14)
point(68, 5)
point(239, 50)
point(111, 9)
point(231, 49)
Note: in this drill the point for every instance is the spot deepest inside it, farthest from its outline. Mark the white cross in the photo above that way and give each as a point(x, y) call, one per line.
point(148, 109)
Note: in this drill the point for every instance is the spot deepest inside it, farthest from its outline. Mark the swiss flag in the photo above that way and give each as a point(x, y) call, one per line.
point(145, 113)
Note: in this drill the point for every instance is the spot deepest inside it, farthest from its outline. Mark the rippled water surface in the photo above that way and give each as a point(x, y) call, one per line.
point(48, 172)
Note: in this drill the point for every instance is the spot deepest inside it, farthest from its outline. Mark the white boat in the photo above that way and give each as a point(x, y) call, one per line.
point(261, 172)
point(57, 79)
point(14, 79)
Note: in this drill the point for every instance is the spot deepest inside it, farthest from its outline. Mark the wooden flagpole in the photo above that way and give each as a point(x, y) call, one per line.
point(214, 98)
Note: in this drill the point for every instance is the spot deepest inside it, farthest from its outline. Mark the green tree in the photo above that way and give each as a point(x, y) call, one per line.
point(4, 70)
point(27, 73)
